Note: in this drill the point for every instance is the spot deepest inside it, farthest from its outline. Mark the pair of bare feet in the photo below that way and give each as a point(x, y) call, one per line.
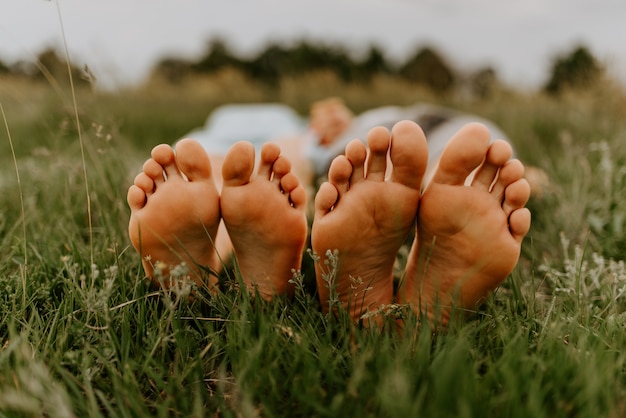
point(176, 210)
point(467, 236)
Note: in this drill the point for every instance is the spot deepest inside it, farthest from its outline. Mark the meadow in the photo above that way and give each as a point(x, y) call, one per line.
point(82, 334)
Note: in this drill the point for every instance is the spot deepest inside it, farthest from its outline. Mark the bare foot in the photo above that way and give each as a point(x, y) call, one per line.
point(468, 236)
point(175, 211)
point(265, 217)
point(366, 218)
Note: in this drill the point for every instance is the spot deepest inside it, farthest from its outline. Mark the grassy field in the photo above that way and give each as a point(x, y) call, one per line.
point(83, 335)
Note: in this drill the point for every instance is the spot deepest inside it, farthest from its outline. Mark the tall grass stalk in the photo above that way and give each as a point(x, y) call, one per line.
point(24, 266)
point(78, 130)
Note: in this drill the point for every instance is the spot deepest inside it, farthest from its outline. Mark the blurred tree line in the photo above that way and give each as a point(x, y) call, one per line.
point(48, 66)
point(426, 67)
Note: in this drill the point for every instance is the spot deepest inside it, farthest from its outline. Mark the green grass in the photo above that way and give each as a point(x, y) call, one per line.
point(94, 340)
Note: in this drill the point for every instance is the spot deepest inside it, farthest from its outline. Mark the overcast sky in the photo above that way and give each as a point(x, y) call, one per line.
point(121, 40)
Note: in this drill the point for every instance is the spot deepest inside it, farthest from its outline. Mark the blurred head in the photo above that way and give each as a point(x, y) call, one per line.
point(329, 119)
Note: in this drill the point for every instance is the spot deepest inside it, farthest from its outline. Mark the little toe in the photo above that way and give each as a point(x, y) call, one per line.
point(516, 195)
point(238, 164)
point(464, 153)
point(519, 223)
point(269, 154)
point(192, 160)
point(339, 174)
point(164, 156)
point(378, 140)
point(409, 154)
point(136, 198)
point(498, 154)
point(356, 153)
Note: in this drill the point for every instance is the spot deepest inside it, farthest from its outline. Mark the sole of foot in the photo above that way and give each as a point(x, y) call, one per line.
point(365, 218)
point(471, 224)
point(175, 212)
point(264, 213)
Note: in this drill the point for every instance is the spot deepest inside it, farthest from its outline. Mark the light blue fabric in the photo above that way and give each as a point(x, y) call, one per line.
point(256, 123)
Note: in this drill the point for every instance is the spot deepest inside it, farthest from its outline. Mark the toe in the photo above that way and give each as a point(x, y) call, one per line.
point(297, 197)
point(290, 185)
point(409, 154)
point(519, 223)
point(289, 182)
point(136, 198)
point(193, 160)
point(238, 164)
point(465, 151)
point(497, 155)
point(269, 154)
point(516, 195)
point(509, 173)
point(145, 183)
point(325, 199)
point(154, 171)
point(378, 140)
point(164, 156)
point(280, 168)
point(339, 174)
point(356, 153)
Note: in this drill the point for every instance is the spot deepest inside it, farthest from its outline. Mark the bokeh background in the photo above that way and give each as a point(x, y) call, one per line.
point(122, 41)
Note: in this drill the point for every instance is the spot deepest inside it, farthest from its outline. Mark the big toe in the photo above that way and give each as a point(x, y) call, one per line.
point(192, 160)
point(238, 164)
point(463, 154)
point(409, 154)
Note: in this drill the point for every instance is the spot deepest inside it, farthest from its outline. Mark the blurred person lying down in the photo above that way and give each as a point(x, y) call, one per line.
point(332, 125)
point(312, 146)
